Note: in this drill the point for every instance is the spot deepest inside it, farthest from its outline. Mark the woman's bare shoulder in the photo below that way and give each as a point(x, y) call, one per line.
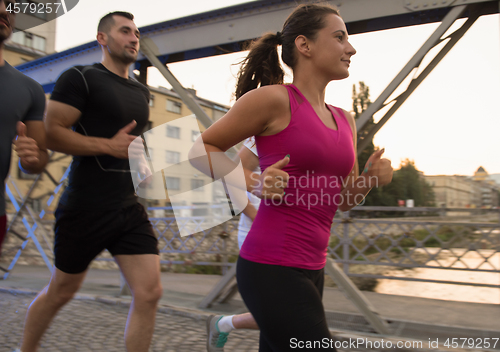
point(273, 95)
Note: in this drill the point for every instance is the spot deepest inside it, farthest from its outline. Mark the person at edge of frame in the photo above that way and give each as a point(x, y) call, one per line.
point(94, 114)
point(280, 270)
point(22, 101)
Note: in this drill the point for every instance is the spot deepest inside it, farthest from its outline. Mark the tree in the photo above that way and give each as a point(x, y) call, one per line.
point(361, 102)
point(407, 182)
point(413, 185)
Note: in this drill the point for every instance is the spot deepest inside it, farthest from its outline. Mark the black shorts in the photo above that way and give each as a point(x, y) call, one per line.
point(287, 305)
point(80, 235)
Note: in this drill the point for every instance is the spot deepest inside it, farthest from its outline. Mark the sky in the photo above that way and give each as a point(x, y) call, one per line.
point(449, 125)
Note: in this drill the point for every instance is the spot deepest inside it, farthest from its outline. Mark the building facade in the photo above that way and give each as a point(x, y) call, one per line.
point(33, 37)
point(478, 191)
point(453, 191)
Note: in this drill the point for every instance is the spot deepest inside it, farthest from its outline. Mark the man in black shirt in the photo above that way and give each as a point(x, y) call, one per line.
point(22, 104)
point(94, 114)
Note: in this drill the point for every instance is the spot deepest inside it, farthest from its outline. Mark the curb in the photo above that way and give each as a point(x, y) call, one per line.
point(123, 302)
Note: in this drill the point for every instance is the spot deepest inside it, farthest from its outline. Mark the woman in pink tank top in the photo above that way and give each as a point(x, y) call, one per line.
point(307, 154)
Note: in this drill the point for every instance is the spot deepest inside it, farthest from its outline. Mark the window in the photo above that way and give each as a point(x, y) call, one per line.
point(173, 132)
point(18, 37)
point(201, 209)
point(29, 39)
point(38, 43)
point(196, 185)
point(152, 100)
point(195, 135)
point(173, 183)
point(174, 106)
point(36, 205)
point(173, 157)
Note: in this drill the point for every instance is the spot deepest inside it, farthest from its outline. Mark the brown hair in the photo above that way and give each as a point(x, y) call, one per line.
point(262, 67)
point(107, 21)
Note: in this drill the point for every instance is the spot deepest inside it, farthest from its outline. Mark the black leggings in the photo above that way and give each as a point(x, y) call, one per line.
point(286, 304)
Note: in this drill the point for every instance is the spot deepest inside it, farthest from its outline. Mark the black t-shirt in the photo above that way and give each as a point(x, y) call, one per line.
point(108, 103)
point(21, 99)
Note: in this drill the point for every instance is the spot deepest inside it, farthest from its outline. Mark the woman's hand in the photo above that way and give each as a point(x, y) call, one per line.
point(273, 181)
point(378, 170)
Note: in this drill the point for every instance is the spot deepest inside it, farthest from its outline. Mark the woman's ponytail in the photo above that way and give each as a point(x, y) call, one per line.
point(262, 65)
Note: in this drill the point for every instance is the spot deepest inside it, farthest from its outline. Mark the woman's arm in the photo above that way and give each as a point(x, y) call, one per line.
point(263, 111)
point(250, 161)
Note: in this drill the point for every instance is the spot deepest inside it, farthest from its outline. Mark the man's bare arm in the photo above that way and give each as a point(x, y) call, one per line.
point(61, 117)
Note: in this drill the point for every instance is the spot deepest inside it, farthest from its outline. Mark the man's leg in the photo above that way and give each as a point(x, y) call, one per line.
point(60, 290)
point(142, 273)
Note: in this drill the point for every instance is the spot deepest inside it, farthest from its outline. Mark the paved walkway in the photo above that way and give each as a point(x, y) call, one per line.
point(92, 326)
point(96, 319)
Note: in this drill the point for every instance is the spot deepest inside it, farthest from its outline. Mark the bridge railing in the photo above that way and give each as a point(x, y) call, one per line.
point(430, 238)
point(439, 242)
point(366, 241)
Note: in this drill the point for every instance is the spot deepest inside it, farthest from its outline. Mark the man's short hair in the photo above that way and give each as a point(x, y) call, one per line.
point(107, 21)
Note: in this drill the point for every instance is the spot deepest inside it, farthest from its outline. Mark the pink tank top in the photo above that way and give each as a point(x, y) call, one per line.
point(295, 231)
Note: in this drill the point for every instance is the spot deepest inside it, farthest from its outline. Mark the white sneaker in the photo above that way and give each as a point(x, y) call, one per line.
point(215, 338)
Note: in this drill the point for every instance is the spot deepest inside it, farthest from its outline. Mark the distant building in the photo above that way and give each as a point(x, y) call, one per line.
point(478, 191)
point(166, 106)
point(453, 191)
point(489, 188)
point(480, 174)
point(33, 43)
point(496, 178)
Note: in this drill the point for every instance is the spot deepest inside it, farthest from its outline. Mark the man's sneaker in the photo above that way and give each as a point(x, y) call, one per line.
point(215, 338)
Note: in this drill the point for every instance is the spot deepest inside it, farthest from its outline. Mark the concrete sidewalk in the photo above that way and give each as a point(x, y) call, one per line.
point(185, 292)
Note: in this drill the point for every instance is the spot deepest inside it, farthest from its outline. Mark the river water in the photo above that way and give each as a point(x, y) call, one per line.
point(449, 291)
